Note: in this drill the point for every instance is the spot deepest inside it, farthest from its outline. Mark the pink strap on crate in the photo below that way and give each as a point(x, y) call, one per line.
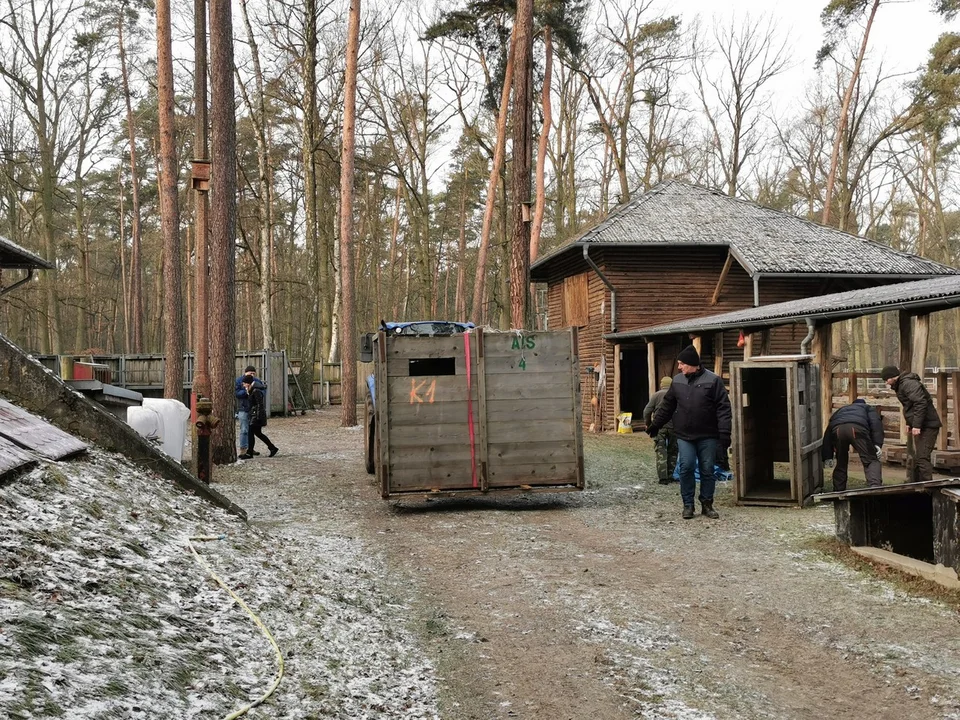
point(473, 450)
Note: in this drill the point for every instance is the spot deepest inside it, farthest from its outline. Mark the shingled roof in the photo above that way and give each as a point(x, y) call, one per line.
point(920, 295)
point(764, 241)
point(15, 257)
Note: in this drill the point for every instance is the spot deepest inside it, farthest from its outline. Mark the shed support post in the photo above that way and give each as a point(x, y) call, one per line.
point(906, 341)
point(921, 337)
point(652, 367)
point(697, 343)
point(718, 354)
point(942, 410)
point(956, 411)
point(823, 355)
point(765, 342)
point(906, 360)
point(617, 357)
point(747, 346)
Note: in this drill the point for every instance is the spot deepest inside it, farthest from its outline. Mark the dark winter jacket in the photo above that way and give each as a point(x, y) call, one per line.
point(918, 407)
point(258, 407)
point(699, 406)
point(243, 399)
point(656, 400)
point(857, 413)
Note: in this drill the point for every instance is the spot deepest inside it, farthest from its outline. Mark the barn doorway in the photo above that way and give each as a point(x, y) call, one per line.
point(634, 385)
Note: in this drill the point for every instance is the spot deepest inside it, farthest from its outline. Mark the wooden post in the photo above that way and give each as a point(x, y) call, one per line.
point(921, 336)
point(747, 346)
point(652, 367)
point(765, 342)
point(906, 341)
point(616, 382)
point(718, 354)
point(697, 343)
point(942, 410)
point(906, 360)
point(851, 387)
point(956, 411)
point(823, 356)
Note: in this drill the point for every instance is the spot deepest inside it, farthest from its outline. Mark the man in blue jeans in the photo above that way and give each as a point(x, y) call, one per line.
point(700, 407)
point(243, 405)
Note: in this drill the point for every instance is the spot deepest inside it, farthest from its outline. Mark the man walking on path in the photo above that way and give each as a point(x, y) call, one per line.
point(923, 422)
point(698, 403)
point(857, 425)
point(243, 405)
point(665, 442)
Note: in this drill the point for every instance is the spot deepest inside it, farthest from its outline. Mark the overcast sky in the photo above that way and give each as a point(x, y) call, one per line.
point(903, 31)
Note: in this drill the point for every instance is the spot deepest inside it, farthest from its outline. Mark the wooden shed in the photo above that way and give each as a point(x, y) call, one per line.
point(681, 251)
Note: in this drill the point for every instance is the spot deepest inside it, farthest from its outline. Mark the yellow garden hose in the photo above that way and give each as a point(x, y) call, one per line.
point(251, 613)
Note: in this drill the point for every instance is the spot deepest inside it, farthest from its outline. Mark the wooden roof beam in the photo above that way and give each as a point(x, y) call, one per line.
point(723, 278)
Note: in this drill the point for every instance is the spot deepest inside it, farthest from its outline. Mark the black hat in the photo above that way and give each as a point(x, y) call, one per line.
point(890, 371)
point(689, 356)
point(249, 369)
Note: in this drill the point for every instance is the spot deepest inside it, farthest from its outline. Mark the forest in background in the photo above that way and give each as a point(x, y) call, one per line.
point(624, 95)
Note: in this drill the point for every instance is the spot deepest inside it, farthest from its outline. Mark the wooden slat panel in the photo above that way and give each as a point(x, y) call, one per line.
point(538, 385)
point(435, 457)
point(533, 452)
point(399, 347)
point(426, 435)
point(13, 457)
point(542, 431)
point(511, 344)
point(29, 431)
point(436, 389)
point(540, 474)
point(524, 412)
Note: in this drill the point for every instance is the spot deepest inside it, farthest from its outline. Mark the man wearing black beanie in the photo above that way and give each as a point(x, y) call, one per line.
point(700, 407)
point(920, 413)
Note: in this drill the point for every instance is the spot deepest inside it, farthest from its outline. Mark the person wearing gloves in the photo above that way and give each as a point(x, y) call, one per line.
point(665, 442)
point(856, 425)
point(923, 422)
point(699, 406)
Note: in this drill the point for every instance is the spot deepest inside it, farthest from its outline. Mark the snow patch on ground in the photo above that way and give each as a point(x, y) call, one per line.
point(104, 612)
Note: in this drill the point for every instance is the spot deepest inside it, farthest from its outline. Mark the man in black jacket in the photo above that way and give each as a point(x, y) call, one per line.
point(857, 425)
point(923, 422)
point(700, 407)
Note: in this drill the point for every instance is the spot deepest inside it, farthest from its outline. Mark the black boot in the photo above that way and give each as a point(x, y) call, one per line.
point(706, 508)
point(273, 450)
point(688, 512)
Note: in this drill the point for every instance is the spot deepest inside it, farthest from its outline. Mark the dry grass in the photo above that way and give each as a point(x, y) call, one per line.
point(910, 584)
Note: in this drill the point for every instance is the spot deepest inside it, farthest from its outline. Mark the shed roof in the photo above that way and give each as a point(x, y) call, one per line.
point(15, 257)
point(932, 294)
point(763, 240)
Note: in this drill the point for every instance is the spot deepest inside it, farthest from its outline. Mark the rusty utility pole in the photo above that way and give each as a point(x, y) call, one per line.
point(200, 178)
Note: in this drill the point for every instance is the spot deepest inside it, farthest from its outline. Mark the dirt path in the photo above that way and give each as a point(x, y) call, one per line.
point(605, 604)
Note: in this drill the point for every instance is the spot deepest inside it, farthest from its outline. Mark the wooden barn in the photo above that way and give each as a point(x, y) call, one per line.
point(681, 251)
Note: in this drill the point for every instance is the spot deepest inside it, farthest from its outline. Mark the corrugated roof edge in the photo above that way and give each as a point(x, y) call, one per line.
point(26, 254)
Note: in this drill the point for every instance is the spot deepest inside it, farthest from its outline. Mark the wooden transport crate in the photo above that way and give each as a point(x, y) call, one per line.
point(478, 412)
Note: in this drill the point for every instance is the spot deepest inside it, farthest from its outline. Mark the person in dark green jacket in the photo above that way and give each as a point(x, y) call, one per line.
point(923, 422)
point(665, 442)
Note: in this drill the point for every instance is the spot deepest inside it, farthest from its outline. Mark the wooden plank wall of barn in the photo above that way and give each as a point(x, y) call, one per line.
point(662, 285)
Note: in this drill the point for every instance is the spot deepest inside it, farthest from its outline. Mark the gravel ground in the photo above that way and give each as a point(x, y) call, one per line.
point(605, 603)
point(595, 604)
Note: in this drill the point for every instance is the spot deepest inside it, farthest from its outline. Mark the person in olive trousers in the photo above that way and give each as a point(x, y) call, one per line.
point(665, 443)
point(923, 422)
point(698, 403)
point(258, 419)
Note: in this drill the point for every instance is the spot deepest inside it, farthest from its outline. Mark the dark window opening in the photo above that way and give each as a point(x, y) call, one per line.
point(432, 366)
